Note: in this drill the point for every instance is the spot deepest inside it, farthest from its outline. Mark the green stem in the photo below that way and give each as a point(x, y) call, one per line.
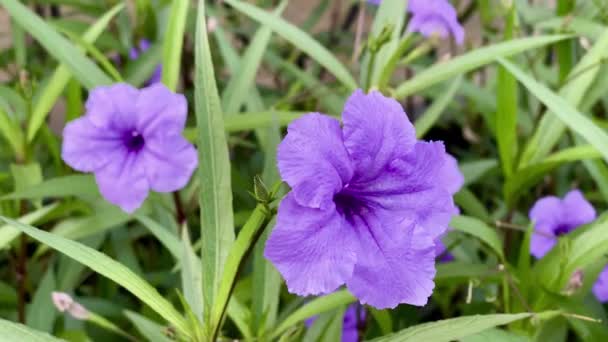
point(370, 69)
point(417, 52)
point(245, 240)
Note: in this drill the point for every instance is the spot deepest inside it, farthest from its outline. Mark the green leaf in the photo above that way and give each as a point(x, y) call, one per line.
point(474, 170)
point(245, 240)
point(432, 114)
point(298, 38)
point(480, 230)
point(41, 312)
point(452, 329)
point(192, 283)
point(217, 221)
point(313, 308)
point(109, 268)
point(81, 67)
point(11, 131)
point(579, 81)
point(149, 329)
point(60, 78)
point(242, 81)
point(506, 107)
point(164, 236)
point(531, 174)
point(11, 331)
point(470, 61)
point(73, 185)
point(563, 109)
point(173, 42)
point(464, 270)
point(8, 234)
point(496, 335)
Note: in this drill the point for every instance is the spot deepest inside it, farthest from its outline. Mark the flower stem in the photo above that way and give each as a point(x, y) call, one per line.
point(391, 64)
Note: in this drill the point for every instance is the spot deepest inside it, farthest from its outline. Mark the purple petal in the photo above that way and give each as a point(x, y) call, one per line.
point(313, 249)
point(376, 132)
point(112, 106)
point(395, 262)
point(450, 176)
point(169, 162)
point(160, 111)
point(123, 182)
point(313, 161)
point(577, 210)
point(350, 331)
point(545, 214)
point(432, 17)
point(86, 147)
point(600, 288)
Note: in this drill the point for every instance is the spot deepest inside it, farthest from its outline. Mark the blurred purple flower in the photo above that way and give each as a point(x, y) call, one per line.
point(430, 17)
point(554, 217)
point(367, 202)
point(600, 288)
point(350, 331)
point(142, 47)
point(131, 139)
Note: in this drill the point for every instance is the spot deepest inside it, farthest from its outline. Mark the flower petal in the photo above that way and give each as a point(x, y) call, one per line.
point(160, 111)
point(395, 262)
point(411, 186)
point(577, 210)
point(313, 249)
point(450, 176)
point(123, 182)
point(87, 147)
point(312, 159)
point(600, 288)
point(376, 132)
point(112, 106)
point(169, 162)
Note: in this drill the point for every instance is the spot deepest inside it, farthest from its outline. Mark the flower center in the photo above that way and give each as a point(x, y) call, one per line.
point(134, 141)
point(562, 229)
point(349, 205)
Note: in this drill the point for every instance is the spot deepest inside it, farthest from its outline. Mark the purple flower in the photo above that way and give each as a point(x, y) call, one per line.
point(554, 217)
point(600, 288)
point(350, 331)
point(131, 139)
point(433, 17)
point(134, 53)
point(367, 202)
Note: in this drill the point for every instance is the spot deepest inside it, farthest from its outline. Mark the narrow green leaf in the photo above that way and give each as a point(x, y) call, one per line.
point(149, 329)
point(242, 81)
point(60, 78)
point(11, 331)
point(314, 307)
point(298, 38)
point(173, 42)
point(8, 234)
point(579, 81)
point(470, 61)
point(480, 230)
point(166, 238)
point(565, 111)
point(577, 25)
point(474, 170)
point(217, 221)
point(506, 109)
point(245, 240)
point(73, 185)
point(432, 114)
point(192, 283)
point(65, 52)
point(109, 268)
point(11, 131)
point(452, 329)
point(41, 313)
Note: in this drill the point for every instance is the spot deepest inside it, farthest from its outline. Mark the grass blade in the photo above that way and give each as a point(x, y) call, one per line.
point(173, 42)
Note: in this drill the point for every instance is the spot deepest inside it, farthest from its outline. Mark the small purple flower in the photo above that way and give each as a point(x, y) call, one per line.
point(433, 17)
point(65, 303)
point(554, 217)
point(131, 139)
point(134, 53)
point(600, 288)
point(350, 330)
point(367, 202)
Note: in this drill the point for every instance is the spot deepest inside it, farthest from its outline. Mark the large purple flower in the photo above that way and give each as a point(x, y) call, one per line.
point(142, 47)
point(350, 330)
point(367, 202)
point(433, 17)
point(131, 139)
point(554, 217)
point(600, 288)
